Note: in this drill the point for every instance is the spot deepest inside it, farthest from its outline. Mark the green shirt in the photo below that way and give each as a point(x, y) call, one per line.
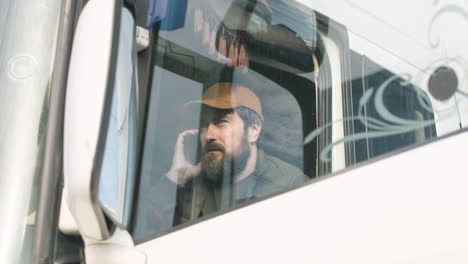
point(175, 204)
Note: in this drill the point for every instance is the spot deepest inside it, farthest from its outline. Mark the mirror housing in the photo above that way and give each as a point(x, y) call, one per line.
point(88, 88)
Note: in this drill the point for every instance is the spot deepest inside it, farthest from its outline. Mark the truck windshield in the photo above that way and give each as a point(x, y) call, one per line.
point(28, 32)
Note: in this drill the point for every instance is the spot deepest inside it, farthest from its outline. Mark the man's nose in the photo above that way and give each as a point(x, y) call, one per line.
point(211, 132)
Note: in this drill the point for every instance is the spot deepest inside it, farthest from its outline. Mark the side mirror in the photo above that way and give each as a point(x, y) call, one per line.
point(100, 119)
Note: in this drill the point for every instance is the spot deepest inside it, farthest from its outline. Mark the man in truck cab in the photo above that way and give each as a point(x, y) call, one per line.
point(231, 168)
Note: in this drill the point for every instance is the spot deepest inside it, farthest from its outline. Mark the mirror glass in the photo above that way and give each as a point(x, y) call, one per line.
point(116, 177)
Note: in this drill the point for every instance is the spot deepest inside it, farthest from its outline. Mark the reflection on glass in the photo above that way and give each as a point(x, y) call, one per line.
point(247, 98)
point(116, 177)
point(229, 105)
point(383, 112)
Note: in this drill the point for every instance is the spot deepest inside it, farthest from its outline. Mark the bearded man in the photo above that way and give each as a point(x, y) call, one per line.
point(231, 168)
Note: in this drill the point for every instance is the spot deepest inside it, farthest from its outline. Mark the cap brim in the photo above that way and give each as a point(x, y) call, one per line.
point(222, 104)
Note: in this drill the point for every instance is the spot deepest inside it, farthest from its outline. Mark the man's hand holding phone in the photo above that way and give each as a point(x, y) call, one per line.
point(182, 170)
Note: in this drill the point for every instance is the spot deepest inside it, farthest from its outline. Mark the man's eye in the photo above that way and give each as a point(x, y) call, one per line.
point(203, 124)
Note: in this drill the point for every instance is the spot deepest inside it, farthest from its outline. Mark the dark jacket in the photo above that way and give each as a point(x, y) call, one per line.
point(171, 204)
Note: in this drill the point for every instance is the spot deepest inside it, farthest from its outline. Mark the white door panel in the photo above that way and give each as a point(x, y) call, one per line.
point(408, 208)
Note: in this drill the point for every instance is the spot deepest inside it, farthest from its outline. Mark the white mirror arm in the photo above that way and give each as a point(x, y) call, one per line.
point(67, 223)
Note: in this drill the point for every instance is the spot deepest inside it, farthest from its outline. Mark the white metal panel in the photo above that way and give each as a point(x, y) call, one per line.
point(28, 33)
point(408, 208)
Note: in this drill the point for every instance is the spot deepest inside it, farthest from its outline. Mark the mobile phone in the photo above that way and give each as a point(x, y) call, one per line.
point(192, 148)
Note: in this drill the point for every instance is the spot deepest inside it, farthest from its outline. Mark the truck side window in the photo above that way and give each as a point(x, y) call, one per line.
point(253, 98)
point(233, 93)
point(388, 112)
point(372, 111)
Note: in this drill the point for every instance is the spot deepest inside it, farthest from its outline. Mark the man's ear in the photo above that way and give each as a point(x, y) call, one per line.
point(254, 132)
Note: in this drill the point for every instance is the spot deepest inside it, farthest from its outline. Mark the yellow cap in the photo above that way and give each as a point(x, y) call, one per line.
point(230, 96)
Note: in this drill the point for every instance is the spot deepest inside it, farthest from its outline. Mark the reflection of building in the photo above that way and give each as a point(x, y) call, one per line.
point(222, 40)
point(249, 30)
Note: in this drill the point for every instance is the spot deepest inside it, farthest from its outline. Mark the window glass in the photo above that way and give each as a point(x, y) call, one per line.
point(372, 111)
point(387, 111)
point(233, 93)
point(252, 98)
point(117, 169)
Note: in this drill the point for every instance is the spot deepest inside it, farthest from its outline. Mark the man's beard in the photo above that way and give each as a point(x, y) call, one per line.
point(215, 169)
